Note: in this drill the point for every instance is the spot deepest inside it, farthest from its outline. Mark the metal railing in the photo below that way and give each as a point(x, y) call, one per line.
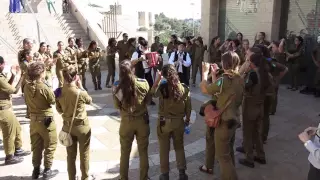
point(39, 27)
point(11, 48)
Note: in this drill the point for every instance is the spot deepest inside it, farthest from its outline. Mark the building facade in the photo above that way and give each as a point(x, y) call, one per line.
point(278, 18)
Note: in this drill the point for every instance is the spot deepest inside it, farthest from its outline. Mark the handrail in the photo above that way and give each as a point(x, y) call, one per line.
point(8, 45)
point(301, 14)
point(39, 27)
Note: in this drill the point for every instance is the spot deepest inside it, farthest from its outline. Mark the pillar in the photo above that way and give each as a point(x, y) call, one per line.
point(209, 20)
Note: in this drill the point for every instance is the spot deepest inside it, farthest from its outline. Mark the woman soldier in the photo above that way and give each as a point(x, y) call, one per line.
point(198, 55)
point(261, 39)
point(71, 51)
point(132, 43)
point(66, 98)
point(39, 98)
point(94, 54)
point(9, 124)
point(43, 56)
point(82, 58)
point(278, 70)
point(227, 88)
point(174, 105)
point(130, 96)
point(214, 52)
point(295, 59)
point(256, 83)
point(111, 61)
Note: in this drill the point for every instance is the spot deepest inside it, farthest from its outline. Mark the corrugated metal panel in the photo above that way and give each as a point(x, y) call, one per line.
point(301, 19)
point(245, 16)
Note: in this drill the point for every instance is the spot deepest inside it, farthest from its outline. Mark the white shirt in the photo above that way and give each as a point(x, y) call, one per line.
point(180, 60)
point(314, 148)
point(135, 56)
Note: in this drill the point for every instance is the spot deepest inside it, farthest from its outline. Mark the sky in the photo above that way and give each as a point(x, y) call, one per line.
point(180, 9)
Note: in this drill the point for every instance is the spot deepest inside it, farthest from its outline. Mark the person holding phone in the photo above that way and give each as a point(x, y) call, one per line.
point(40, 98)
point(313, 146)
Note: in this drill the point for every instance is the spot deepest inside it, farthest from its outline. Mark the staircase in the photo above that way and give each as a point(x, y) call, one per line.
point(72, 28)
point(53, 28)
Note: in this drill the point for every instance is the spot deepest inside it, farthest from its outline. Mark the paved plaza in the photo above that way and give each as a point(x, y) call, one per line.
point(286, 156)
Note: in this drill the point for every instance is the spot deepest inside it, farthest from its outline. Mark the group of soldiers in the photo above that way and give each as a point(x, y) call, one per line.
point(251, 74)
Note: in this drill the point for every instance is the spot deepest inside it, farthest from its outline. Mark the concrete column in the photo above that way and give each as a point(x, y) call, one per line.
point(209, 20)
point(276, 20)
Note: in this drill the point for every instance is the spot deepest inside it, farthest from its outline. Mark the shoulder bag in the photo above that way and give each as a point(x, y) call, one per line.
point(65, 137)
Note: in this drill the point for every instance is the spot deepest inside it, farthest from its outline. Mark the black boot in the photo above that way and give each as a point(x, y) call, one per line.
point(48, 173)
point(21, 152)
point(240, 150)
point(99, 86)
point(11, 159)
point(95, 86)
point(246, 163)
point(183, 175)
point(36, 172)
point(164, 176)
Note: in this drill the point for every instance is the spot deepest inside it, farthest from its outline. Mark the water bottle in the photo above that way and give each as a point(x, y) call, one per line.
point(187, 129)
point(193, 117)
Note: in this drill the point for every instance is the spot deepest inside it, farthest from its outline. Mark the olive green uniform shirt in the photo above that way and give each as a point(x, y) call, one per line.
point(168, 107)
point(140, 107)
point(123, 49)
point(6, 90)
point(223, 88)
point(65, 103)
point(39, 98)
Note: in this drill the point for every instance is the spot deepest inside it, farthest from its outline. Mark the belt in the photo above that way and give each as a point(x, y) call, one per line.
point(75, 123)
point(5, 107)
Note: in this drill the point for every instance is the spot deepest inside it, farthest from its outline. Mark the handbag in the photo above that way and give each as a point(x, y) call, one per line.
point(65, 137)
point(212, 115)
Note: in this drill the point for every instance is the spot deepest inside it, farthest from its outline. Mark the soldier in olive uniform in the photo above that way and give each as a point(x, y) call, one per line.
point(260, 39)
point(40, 98)
point(173, 107)
point(94, 55)
point(123, 47)
point(80, 130)
point(72, 51)
point(111, 61)
point(23, 63)
point(214, 52)
point(227, 88)
point(295, 59)
point(130, 96)
point(43, 56)
point(59, 57)
point(132, 43)
point(256, 84)
point(158, 47)
point(9, 124)
point(278, 70)
point(82, 57)
point(198, 55)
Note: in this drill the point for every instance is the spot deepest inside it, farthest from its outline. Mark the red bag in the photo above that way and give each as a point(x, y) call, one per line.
point(212, 116)
point(153, 59)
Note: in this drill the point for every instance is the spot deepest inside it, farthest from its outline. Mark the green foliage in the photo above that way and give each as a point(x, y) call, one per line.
point(142, 29)
point(164, 27)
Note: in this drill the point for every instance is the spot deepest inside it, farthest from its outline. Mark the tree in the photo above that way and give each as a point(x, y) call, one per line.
point(164, 27)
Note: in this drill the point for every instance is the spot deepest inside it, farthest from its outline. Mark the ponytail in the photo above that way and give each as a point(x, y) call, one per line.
point(127, 84)
point(170, 73)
